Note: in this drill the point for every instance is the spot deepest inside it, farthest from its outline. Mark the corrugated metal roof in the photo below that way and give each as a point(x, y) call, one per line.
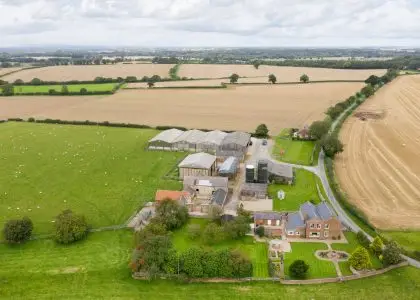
point(198, 161)
point(230, 165)
point(280, 170)
point(214, 137)
point(191, 136)
point(256, 187)
point(167, 136)
point(237, 137)
point(216, 182)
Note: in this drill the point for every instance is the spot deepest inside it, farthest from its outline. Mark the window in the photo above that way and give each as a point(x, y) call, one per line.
point(318, 226)
point(314, 234)
point(197, 190)
point(312, 225)
point(297, 233)
point(327, 226)
point(268, 222)
point(278, 222)
point(325, 233)
point(290, 233)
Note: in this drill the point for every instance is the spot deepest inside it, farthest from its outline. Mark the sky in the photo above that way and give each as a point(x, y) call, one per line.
point(211, 23)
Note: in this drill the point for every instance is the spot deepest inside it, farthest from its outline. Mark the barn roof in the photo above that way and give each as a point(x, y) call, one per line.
point(191, 136)
point(280, 170)
point(214, 181)
point(254, 187)
point(198, 161)
point(214, 137)
point(229, 166)
point(219, 197)
point(167, 136)
point(237, 137)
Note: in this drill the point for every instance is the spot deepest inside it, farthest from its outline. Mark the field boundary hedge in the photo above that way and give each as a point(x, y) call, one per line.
point(15, 71)
point(292, 82)
point(177, 87)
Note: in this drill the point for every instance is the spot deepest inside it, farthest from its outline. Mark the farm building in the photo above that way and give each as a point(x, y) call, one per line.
point(229, 167)
point(189, 140)
point(165, 139)
point(212, 141)
point(234, 144)
point(253, 191)
point(178, 196)
point(198, 164)
point(280, 173)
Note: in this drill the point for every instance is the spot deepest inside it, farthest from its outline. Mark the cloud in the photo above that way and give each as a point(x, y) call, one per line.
point(211, 22)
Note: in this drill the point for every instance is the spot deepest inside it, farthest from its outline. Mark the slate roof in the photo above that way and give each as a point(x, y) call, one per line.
point(294, 220)
point(254, 187)
point(309, 211)
point(198, 161)
point(219, 197)
point(267, 216)
point(324, 211)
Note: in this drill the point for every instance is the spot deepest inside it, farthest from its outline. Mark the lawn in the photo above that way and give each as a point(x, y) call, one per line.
point(296, 152)
point(98, 269)
point(410, 240)
point(104, 173)
point(306, 251)
point(349, 248)
point(27, 89)
point(303, 190)
point(257, 252)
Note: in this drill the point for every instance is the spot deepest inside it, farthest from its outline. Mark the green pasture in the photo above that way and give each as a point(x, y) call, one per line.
point(73, 88)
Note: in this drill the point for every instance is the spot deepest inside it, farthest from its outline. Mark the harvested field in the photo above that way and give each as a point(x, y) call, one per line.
point(380, 167)
point(66, 73)
point(8, 70)
point(282, 73)
point(240, 108)
point(211, 82)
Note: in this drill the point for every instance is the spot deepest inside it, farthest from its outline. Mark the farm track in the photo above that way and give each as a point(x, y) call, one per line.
point(384, 177)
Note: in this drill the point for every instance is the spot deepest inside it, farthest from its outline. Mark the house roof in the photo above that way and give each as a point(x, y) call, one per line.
point(294, 220)
point(319, 211)
point(216, 182)
point(267, 216)
point(280, 170)
point(172, 195)
point(219, 197)
point(229, 166)
point(167, 136)
point(198, 161)
point(237, 137)
point(324, 211)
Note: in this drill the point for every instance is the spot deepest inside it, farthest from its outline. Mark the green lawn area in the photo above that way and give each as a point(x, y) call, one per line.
point(296, 152)
point(349, 248)
point(97, 268)
point(410, 240)
point(257, 252)
point(306, 251)
point(104, 173)
point(303, 190)
point(101, 87)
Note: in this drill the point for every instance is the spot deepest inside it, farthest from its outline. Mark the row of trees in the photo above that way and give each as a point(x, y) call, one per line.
point(271, 78)
point(69, 228)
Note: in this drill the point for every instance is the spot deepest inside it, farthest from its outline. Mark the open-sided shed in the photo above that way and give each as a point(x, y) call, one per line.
point(165, 139)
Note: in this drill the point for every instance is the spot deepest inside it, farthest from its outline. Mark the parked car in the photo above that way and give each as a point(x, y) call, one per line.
point(264, 142)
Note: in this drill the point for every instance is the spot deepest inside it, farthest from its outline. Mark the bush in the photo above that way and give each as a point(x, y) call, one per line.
point(304, 78)
point(298, 269)
point(261, 131)
point(70, 227)
point(363, 239)
point(260, 231)
point(171, 214)
point(360, 259)
point(194, 231)
point(31, 119)
point(392, 254)
point(368, 90)
point(237, 228)
point(192, 262)
point(18, 231)
point(377, 246)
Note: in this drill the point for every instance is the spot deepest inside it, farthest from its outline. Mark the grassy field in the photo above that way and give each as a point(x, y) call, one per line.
point(257, 252)
point(27, 89)
point(98, 269)
point(410, 240)
point(296, 152)
point(104, 173)
point(303, 190)
point(306, 251)
point(349, 248)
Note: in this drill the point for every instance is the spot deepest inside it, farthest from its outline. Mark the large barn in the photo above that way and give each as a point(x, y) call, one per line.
point(234, 144)
point(165, 139)
point(198, 164)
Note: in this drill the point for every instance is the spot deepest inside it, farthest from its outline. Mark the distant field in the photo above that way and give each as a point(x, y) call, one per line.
point(104, 173)
point(210, 82)
point(7, 70)
point(66, 73)
point(25, 89)
point(282, 73)
point(240, 108)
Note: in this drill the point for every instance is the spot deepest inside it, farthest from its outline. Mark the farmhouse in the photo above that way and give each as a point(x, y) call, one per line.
point(198, 164)
point(314, 222)
point(271, 221)
point(205, 192)
point(234, 144)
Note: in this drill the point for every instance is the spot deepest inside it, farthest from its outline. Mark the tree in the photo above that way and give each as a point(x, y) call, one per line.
point(155, 252)
point(260, 231)
point(256, 64)
point(64, 90)
point(215, 213)
point(373, 80)
point(272, 78)
point(70, 227)
point(234, 78)
point(318, 129)
point(261, 131)
point(377, 246)
point(237, 228)
point(298, 269)
point(83, 91)
point(171, 214)
point(131, 79)
point(363, 239)
point(19, 82)
point(368, 91)
point(155, 78)
point(360, 259)
point(8, 90)
point(213, 234)
point(150, 84)
point(18, 231)
point(334, 111)
point(391, 254)
point(194, 231)
point(304, 78)
point(331, 145)
point(36, 81)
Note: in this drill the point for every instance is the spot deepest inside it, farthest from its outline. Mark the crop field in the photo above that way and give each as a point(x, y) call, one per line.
point(103, 173)
point(86, 270)
point(66, 73)
point(26, 89)
point(380, 166)
point(241, 108)
point(187, 83)
point(283, 74)
point(8, 70)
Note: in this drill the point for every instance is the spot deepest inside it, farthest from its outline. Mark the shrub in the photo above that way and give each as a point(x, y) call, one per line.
point(70, 227)
point(298, 269)
point(192, 260)
point(171, 214)
point(260, 231)
point(368, 90)
point(8, 90)
point(194, 231)
point(64, 90)
point(363, 239)
point(237, 228)
point(392, 254)
point(18, 231)
point(272, 78)
point(377, 246)
point(360, 259)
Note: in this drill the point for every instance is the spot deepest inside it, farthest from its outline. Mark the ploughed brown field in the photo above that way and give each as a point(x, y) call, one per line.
point(239, 108)
point(282, 73)
point(380, 166)
point(66, 73)
point(7, 70)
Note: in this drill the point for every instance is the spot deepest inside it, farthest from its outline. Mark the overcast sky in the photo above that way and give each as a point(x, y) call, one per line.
point(195, 23)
